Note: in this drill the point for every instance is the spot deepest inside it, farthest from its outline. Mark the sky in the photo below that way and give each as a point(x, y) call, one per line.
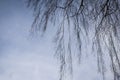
point(26, 57)
point(23, 57)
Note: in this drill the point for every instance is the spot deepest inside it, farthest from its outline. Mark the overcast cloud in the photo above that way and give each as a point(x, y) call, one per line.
point(23, 57)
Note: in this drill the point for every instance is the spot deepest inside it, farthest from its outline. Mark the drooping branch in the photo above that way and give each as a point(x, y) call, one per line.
point(81, 17)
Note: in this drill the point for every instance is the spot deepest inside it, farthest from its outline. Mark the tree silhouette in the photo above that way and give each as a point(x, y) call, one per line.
point(78, 20)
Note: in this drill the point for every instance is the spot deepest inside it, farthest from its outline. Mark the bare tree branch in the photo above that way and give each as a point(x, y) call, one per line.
point(83, 17)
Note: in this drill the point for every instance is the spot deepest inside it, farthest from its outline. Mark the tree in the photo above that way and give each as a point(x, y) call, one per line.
point(75, 18)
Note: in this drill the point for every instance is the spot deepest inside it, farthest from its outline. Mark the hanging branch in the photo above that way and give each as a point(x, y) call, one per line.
point(104, 16)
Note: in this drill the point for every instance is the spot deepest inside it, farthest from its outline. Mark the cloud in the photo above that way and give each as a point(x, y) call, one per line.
point(30, 66)
point(25, 58)
point(22, 57)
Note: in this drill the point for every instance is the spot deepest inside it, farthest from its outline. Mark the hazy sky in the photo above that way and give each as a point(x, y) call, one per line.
point(23, 57)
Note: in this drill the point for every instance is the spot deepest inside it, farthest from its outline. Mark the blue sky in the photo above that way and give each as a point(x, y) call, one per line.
point(26, 57)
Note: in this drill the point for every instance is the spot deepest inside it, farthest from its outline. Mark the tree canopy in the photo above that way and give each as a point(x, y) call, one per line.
point(78, 20)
